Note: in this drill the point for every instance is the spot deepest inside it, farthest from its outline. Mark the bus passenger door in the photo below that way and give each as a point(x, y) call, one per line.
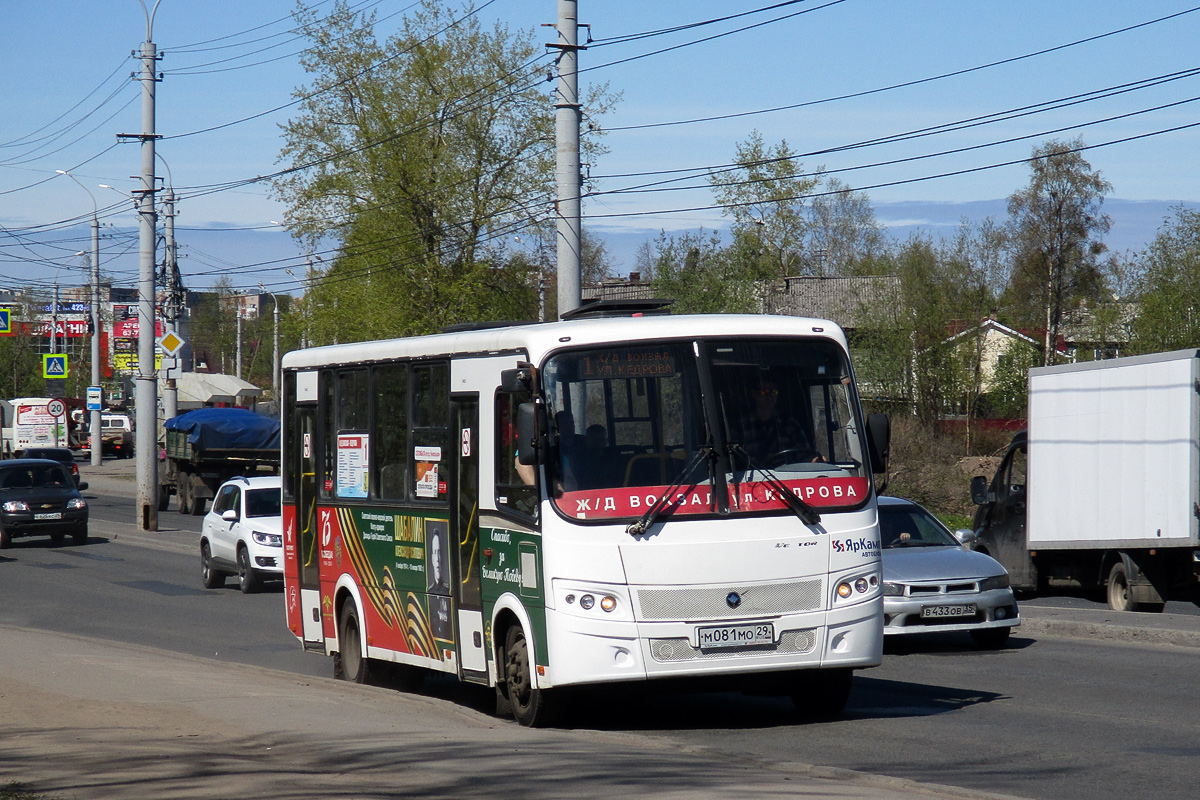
point(304, 460)
point(468, 597)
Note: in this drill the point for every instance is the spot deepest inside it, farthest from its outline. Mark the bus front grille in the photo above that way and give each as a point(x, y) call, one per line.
point(716, 602)
point(680, 649)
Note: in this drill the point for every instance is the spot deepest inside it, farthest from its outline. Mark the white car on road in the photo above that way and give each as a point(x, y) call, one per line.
point(243, 534)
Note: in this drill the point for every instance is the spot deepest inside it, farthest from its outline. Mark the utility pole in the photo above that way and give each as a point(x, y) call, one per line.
point(237, 370)
point(95, 442)
point(146, 378)
point(171, 315)
point(275, 351)
point(94, 439)
point(567, 117)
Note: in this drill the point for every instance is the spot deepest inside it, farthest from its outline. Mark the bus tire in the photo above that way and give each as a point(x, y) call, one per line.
point(529, 704)
point(822, 694)
point(350, 664)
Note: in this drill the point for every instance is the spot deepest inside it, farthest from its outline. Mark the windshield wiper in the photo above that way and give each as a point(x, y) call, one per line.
point(797, 506)
point(652, 513)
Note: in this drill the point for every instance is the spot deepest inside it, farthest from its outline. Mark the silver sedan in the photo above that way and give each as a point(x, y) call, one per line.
point(930, 583)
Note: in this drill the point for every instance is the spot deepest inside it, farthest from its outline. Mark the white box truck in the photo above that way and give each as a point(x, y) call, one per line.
point(1103, 488)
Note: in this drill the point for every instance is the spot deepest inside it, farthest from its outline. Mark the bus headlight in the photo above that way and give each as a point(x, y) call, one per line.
point(856, 588)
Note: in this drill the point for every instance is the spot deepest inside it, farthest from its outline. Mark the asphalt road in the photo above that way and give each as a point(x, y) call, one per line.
point(1047, 717)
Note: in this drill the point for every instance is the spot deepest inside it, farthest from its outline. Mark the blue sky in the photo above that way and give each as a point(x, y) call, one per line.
point(840, 73)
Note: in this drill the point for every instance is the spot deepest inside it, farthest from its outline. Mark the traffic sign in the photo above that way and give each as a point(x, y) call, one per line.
point(54, 365)
point(171, 343)
point(95, 398)
point(56, 408)
point(5, 320)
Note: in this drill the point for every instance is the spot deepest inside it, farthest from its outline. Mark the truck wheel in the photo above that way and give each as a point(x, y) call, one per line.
point(185, 495)
point(1118, 589)
point(164, 498)
point(1119, 596)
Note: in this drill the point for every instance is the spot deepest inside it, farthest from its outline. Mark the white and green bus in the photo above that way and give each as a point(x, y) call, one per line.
point(601, 499)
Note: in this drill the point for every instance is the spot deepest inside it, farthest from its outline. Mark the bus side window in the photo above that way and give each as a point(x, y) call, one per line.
point(430, 430)
point(391, 431)
point(513, 492)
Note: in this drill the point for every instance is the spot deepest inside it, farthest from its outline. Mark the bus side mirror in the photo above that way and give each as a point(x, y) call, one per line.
point(979, 490)
point(516, 380)
point(532, 440)
point(879, 441)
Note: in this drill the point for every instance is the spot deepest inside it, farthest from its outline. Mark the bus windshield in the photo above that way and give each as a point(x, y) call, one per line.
point(719, 425)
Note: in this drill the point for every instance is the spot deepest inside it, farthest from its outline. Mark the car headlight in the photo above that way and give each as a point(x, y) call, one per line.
point(893, 589)
point(267, 539)
point(998, 582)
point(15, 505)
point(76, 503)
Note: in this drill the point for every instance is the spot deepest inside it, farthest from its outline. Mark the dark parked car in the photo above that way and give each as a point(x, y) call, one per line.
point(60, 454)
point(39, 498)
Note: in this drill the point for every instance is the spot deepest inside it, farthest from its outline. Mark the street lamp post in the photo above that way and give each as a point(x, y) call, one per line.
point(94, 440)
point(275, 359)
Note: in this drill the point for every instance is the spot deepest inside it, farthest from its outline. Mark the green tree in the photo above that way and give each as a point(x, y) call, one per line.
point(415, 155)
point(1169, 317)
point(701, 276)
point(20, 366)
point(845, 238)
point(1055, 225)
point(763, 195)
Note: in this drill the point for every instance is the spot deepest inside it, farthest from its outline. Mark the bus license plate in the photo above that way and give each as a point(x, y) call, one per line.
point(55, 515)
point(735, 635)
point(939, 612)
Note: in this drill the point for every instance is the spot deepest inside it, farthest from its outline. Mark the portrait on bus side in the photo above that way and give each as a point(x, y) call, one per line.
point(439, 618)
point(437, 557)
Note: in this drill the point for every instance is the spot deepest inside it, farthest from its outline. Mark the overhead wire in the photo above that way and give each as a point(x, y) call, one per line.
point(915, 82)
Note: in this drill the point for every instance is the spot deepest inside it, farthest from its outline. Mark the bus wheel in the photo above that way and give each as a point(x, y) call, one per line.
point(822, 694)
point(350, 664)
point(529, 706)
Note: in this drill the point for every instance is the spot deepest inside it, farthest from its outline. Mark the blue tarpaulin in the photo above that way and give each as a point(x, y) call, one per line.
point(227, 429)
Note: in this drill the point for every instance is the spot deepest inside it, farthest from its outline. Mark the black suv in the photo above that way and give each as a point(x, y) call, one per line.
point(39, 498)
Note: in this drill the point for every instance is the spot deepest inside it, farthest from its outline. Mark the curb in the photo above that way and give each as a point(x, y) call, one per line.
point(1107, 631)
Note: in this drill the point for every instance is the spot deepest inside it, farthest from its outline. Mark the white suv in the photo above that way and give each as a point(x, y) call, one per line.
point(243, 534)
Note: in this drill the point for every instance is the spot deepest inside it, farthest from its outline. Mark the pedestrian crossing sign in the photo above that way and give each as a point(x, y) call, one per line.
point(5, 320)
point(54, 365)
